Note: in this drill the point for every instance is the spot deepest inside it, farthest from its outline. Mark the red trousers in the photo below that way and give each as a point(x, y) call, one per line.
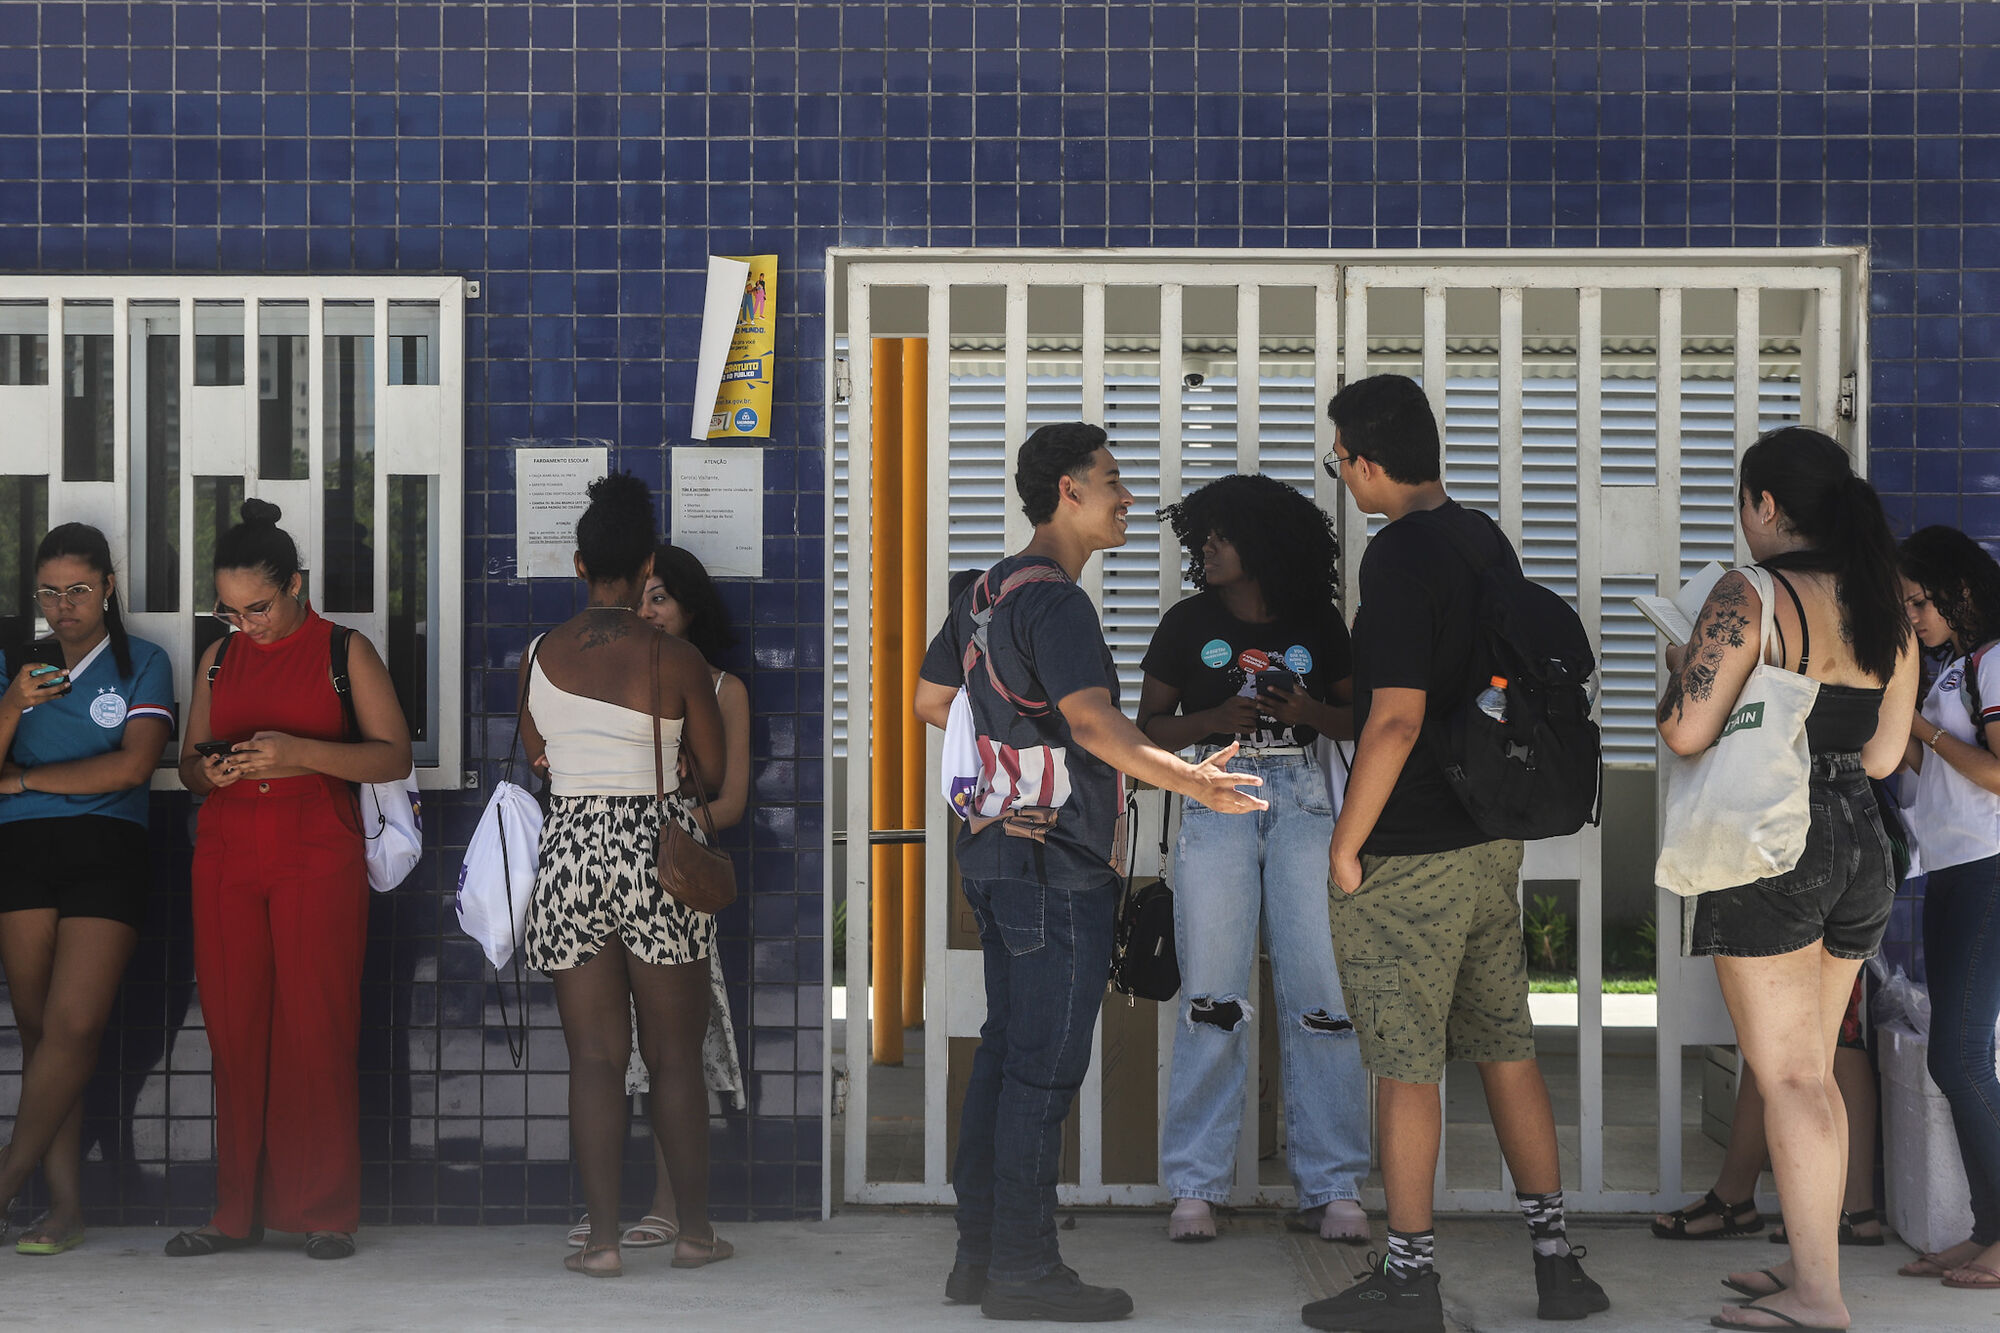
point(280, 928)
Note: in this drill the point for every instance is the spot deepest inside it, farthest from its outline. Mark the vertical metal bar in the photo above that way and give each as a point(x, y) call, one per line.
point(860, 706)
point(1353, 525)
point(1092, 581)
point(1326, 383)
point(938, 823)
point(1824, 357)
point(1172, 295)
point(181, 638)
point(1015, 525)
point(1511, 478)
point(1667, 906)
point(1249, 397)
point(316, 386)
point(1435, 381)
point(1590, 607)
point(1748, 347)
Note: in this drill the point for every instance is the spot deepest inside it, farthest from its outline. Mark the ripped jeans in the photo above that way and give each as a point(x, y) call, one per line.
point(1228, 871)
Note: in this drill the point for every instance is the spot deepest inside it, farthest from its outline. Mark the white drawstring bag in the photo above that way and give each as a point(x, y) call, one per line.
point(1739, 811)
point(959, 778)
point(392, 823)
point(498, 875)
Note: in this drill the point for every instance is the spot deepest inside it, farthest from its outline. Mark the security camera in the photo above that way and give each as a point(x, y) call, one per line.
point(1194, 379)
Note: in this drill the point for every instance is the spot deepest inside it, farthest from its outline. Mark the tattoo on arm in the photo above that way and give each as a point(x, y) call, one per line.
point(1724, 624)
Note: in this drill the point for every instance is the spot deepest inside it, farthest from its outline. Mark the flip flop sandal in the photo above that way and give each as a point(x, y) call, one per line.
point(329, 1245)
point(1711, 1205)
point(200, 1244)
point(62, 1245)
point(649, 1232)
point(1991, 1282)
point(579, 1235)
point(580, 1262)
point(1779, 1285)
point(1925, 1265)
point(718, 1249)
point(1848, 1235)
point(1788, 1321)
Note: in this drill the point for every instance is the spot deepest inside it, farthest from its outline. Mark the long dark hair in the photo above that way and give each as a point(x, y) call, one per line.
point(1961, 579)
point(685, 579)
point(1285, 541)
point(87, 544)
point(1840, 517)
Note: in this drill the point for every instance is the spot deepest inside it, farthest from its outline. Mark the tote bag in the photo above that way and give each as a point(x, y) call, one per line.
point(498, 875)
point(1739, 811)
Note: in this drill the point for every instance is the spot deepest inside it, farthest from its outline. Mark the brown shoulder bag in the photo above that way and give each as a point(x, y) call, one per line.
point(695, 874)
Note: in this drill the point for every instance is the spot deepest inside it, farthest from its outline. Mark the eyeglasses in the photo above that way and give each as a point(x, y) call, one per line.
point(231, 616)
point(73, 595)
point(1333, 460)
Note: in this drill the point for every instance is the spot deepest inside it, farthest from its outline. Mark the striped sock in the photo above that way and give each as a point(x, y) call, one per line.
point(1411, 1254)
point(1544, 1213)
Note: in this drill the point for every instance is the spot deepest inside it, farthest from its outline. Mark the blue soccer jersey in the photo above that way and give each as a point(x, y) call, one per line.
point(89, 721)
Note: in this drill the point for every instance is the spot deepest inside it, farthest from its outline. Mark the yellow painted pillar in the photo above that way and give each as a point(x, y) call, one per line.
point(891, 704)
point(916, 479)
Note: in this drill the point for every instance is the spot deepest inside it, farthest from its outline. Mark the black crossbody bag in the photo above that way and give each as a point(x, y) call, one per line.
point(1144, 964)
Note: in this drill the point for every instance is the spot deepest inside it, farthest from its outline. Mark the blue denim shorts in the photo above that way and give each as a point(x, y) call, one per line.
point(1838, 894)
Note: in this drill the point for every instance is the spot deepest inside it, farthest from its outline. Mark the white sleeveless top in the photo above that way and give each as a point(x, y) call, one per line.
point(597, 748)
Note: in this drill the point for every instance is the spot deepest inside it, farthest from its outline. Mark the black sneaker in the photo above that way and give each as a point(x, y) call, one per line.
point(1565, 1290)
point(1380, 1303)
point(966, 1284)
point(1061, 1296)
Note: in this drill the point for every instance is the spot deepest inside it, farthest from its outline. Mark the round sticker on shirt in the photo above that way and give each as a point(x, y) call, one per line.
point(1298, 659)
point(107, 710)
point(1254, 660)
point(1214, 653)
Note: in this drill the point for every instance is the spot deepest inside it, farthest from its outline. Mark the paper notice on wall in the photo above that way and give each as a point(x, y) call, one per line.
point(743, 403)
point(719, 311)
point(718, 509)
point(549, 498)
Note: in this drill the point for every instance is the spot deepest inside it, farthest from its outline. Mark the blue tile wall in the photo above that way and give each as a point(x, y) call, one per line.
point(582, 159)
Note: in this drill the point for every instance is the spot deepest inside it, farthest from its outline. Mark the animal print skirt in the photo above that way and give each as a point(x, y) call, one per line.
point(597, 880)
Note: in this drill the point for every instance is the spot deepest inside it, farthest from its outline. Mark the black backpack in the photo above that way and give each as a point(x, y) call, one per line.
point(1538, 773)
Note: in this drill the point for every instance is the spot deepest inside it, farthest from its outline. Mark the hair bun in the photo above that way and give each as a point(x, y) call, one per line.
point(260, 513)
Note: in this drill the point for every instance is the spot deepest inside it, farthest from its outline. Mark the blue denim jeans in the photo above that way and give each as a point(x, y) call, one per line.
point(1230, 870)
point(1048, 958)
point(1962, 958)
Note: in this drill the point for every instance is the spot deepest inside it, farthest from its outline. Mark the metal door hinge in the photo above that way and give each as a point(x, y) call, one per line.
point(1850, 387)
point(843, 384)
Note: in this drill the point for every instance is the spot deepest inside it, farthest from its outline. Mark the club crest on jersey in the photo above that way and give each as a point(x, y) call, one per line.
point(108, 710)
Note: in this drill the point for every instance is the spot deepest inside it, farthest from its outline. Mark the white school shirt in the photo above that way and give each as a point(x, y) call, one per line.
point(1953, 819)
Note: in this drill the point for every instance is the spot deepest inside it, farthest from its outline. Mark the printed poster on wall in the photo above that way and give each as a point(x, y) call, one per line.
point(549, 498)
point(743, 404)
point(718, 509)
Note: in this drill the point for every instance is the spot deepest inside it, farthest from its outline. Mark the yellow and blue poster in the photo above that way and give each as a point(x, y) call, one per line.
point(743, 406)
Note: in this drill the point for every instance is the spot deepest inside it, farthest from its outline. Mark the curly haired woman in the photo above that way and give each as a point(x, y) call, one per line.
point(1258, 656)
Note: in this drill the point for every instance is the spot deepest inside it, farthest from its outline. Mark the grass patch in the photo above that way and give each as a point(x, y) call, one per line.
point(1552, 983)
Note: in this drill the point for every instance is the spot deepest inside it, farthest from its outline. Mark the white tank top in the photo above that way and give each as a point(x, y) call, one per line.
point(597, 748)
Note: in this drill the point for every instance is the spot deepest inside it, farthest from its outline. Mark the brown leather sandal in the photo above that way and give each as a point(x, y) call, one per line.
point(581, 1261)
point(715, 1248)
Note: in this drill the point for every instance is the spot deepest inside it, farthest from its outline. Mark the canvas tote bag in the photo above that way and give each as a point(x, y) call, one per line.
point(1739, 810)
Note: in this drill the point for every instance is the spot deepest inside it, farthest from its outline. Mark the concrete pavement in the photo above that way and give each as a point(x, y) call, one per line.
point(881, 1271)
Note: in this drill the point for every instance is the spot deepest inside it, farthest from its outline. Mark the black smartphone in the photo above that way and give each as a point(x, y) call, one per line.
point(41, 656)
point(210, 749)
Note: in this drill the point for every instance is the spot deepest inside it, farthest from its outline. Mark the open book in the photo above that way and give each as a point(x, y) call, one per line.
point(1675, 616)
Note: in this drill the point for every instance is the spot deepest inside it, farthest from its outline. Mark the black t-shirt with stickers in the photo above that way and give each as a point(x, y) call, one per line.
point(1209, 655)
point(1413, 630)
point(1046, 643)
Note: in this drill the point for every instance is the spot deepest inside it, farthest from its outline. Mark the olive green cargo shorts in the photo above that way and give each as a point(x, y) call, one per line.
point(1432, 961)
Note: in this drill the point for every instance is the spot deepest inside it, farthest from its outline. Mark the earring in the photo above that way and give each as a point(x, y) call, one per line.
point(107, 605)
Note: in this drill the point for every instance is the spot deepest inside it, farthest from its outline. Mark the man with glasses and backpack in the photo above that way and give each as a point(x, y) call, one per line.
point(1021, 674)
point(1450, 774)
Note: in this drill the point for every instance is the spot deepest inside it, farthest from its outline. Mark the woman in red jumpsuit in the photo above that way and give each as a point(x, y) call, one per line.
point(281, 897)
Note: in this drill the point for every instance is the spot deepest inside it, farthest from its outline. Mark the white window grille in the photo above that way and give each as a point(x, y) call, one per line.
point(150, 407)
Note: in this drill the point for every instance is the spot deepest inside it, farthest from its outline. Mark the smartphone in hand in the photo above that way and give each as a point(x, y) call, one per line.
point(212, 749)
point(43, 657)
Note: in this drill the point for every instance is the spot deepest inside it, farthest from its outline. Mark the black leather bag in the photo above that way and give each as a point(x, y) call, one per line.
point(1143, 962)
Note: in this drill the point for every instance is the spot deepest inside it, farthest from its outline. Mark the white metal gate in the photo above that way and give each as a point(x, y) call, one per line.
point(1626, 528)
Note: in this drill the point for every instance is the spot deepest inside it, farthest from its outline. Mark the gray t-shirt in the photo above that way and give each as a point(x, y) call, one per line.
point(1045, 644)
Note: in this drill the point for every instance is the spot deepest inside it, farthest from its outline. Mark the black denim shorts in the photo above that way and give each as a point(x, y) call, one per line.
point(1839, 893)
